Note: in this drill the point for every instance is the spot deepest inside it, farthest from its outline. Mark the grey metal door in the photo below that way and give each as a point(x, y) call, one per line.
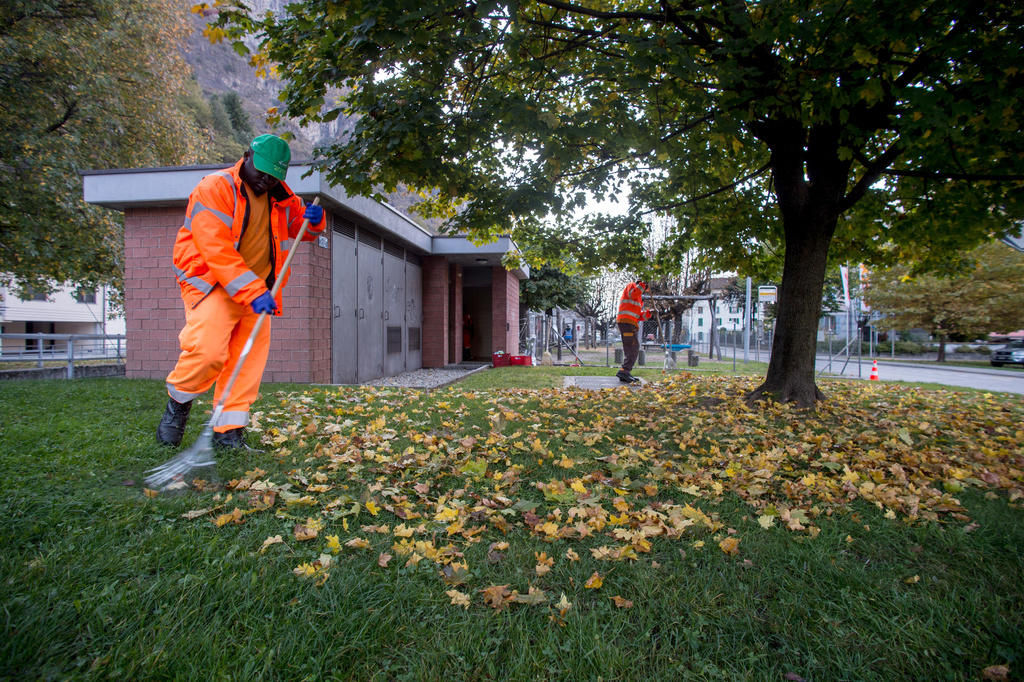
point(369, 310)
point(344, 341)
point(394, 309)
point(413, 312)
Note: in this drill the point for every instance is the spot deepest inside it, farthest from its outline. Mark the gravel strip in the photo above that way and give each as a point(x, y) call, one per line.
point(434, 377)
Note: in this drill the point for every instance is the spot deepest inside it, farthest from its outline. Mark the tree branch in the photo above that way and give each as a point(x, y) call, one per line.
point(69, 111)
point(726, 188)
point(872, 171)
point(598, 14)
point(939, 175)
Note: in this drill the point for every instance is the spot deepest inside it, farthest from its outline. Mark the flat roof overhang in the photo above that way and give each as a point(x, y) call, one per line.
point(161, 187)
point(170, 186)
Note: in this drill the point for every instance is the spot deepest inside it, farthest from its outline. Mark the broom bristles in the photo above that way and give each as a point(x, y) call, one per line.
point(178, 468)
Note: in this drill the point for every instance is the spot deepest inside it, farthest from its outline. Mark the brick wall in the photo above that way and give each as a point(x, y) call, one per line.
point(504, 310)
point(300, 349)
point(154, 313)
point(435, 311)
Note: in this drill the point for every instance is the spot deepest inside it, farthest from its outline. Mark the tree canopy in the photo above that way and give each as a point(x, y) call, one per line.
point(84, 84)
point(983, 295)
point(771, 133)
point(548, 287)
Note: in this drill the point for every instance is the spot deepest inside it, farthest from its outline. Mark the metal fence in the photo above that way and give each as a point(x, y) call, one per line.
point(537, 334)
point(46, 350)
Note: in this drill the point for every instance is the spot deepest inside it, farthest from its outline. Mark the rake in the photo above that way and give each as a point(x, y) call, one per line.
point(177, 472)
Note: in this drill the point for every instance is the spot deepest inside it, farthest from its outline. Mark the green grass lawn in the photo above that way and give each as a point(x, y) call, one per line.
point(504, 528)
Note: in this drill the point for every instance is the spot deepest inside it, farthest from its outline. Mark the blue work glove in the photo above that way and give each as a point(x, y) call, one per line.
point(314, 214)
point(264, 303)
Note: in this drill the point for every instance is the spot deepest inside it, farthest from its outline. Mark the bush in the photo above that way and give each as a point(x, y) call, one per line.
point(909, 348)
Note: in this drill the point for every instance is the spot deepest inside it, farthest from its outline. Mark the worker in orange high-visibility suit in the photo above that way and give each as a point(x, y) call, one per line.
point(631, 314)
point(239, 225)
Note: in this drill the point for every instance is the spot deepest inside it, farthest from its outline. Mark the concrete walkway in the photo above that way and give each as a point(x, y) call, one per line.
point(597, 383)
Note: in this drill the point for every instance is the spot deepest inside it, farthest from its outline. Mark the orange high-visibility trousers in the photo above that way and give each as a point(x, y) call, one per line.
point(211, 342)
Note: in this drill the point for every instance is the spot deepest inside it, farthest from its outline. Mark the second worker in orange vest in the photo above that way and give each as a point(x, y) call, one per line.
point(631, 314)
point(239, 225)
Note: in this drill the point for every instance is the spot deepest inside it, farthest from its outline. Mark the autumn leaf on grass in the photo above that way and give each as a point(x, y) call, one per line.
point(333, 543)
point(303, 532)
point(912, 579)
point(383, 559)
point(458, 598)
point(372, 507)
point(358, 543)
point(622, 603)
point(196, 513)
point(234, 517)
point(496, 596)
point(149, 492)
point(730, 545)
point(533, 597)
point(594, 582)
point(996, 672)
point(571, 555)
point(455, 574)
point(563, 607)
point(766, 521)
point(544, 563)
point(272, 540)
point(494, 552)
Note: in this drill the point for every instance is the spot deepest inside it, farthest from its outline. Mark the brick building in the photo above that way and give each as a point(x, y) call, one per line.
point(376, 295)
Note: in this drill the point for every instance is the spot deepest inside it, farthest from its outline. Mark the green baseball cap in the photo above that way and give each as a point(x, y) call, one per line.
point(270, 155)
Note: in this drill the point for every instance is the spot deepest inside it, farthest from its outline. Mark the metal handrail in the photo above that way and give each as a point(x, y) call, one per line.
point(68, 347)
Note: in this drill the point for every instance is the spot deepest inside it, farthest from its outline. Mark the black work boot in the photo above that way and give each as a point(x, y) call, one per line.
point(172, 423)
point(625, 377)
point(232, 440)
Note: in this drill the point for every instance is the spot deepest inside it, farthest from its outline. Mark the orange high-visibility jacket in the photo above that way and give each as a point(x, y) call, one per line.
point(631, 306)
point(206, 249)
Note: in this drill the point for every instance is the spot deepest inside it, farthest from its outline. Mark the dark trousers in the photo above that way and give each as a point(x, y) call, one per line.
point(630, 345)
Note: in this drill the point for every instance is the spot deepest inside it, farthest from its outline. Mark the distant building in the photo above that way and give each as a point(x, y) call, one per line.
point(66, 311)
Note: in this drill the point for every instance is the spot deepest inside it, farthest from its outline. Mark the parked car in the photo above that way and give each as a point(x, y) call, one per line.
point(1010, 354)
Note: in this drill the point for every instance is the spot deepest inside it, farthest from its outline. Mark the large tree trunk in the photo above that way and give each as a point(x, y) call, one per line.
point(808, 197)
point(790, 375)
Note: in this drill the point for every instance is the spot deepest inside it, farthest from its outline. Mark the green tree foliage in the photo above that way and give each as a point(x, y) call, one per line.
point(984, 295)
point(84, 84)
point(223, 142)
point(781, 131)
point(549, 287)
point(241, 127)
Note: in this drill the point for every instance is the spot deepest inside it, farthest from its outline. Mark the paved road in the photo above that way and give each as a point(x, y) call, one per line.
point(1009, 380)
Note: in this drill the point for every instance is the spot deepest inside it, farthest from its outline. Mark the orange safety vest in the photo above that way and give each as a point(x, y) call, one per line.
point(631, 305)
point(206, 248)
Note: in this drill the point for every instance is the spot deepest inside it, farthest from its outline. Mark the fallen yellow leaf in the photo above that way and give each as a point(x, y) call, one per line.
point(594, 582)
point(730, 545)
point(272, 540)
point(458, 598)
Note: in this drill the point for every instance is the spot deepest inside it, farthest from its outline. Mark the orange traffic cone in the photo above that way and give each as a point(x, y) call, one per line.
point(874, 370)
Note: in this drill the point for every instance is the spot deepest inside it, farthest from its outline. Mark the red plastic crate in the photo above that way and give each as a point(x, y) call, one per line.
point(520, 359)
point(500, 359)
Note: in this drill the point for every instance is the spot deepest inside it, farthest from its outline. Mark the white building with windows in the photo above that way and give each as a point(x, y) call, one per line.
point(68, 310)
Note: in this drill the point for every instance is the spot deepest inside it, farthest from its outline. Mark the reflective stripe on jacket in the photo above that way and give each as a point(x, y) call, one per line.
point(206, 249)
point(631, 305)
